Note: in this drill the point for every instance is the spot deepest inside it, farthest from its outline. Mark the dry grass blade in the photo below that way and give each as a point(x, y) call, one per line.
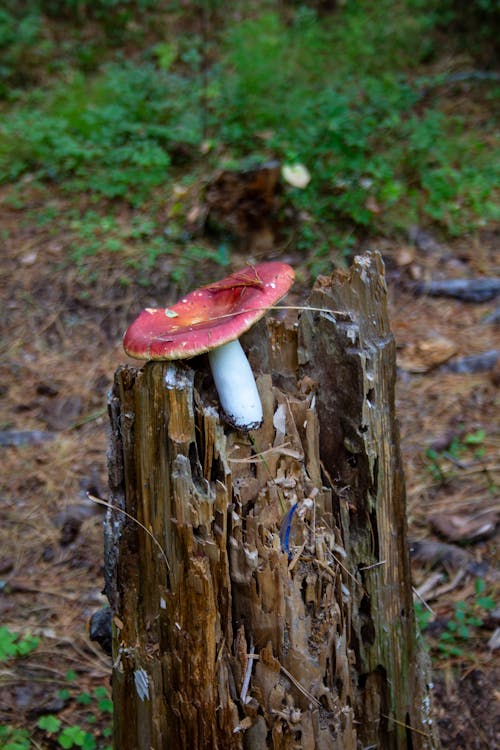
point(406, 726)
point(283, 450)
point(99, 501)
point(293, 680)
point(324, 566)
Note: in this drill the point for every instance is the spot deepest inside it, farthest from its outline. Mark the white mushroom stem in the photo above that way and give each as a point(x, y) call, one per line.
point(236, 386)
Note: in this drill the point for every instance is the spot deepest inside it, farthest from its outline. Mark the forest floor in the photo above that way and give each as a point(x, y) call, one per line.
point(62, 346)
point(78, 263)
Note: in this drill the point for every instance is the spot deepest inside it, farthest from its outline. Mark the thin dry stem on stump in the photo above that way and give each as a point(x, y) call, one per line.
point(263, 599)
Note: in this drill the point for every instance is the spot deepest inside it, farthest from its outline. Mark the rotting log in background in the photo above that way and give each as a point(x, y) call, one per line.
point(260, 585)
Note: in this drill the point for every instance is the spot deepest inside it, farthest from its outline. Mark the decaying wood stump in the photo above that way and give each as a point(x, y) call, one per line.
point(260, 584)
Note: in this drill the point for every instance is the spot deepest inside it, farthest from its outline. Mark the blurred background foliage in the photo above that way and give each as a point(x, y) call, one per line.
point(113, 105)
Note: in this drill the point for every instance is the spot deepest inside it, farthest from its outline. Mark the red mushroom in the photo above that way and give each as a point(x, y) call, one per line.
point(211, 319)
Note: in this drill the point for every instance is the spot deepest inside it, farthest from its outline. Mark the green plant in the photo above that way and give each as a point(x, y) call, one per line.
point(94, 706)
point(14, 738)
point(461, 630)
point(95, 233)
point(95, 709)
point(423, 615)
point(445, 464)
point(111, 135)
point(97, 8)
point(332, 95)
point(473, 20)
point(20, 46)
point(70, 736)
point(114, 17)
point(182, 256)
point(13, 645)
point(341, 94)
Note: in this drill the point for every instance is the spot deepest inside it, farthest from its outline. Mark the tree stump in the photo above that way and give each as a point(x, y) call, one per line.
point(260, 584)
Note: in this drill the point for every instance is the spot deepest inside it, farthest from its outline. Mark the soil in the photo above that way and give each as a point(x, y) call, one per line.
point(61, 345)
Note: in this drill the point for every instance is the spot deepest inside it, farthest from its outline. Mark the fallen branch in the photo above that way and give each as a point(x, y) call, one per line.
point(467, 290)
point(473, 363)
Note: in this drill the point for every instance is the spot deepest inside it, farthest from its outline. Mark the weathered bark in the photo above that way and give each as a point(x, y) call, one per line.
point(283, 617)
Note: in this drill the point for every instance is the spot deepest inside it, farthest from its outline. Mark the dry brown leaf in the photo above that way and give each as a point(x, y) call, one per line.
point(372, 205)
point(464, 528)
point(405, 255)
point(427, 354)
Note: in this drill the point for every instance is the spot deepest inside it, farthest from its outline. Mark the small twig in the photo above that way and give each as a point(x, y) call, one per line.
point(432, 593)
point(221, 648)
point(16, 585)
point(326, 567)
point(303, 308)
point(85, 419)
point(25, 437)
point(297, 684)
point(481, 469)
point(427, 586)
point(485, 511)
point(327, 475)
point(446, 588)
point(293, 562)
point(454, 460)
point(292, 679)
point(374, 565)
point(407, 726)
point(281, 449)
point(421, 598)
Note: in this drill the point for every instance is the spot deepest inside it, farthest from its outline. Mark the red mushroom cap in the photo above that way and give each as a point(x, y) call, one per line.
point(209, 316)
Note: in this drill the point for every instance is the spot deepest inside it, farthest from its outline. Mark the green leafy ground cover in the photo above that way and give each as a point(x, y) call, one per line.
point(356, 96)
point(93, 708)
